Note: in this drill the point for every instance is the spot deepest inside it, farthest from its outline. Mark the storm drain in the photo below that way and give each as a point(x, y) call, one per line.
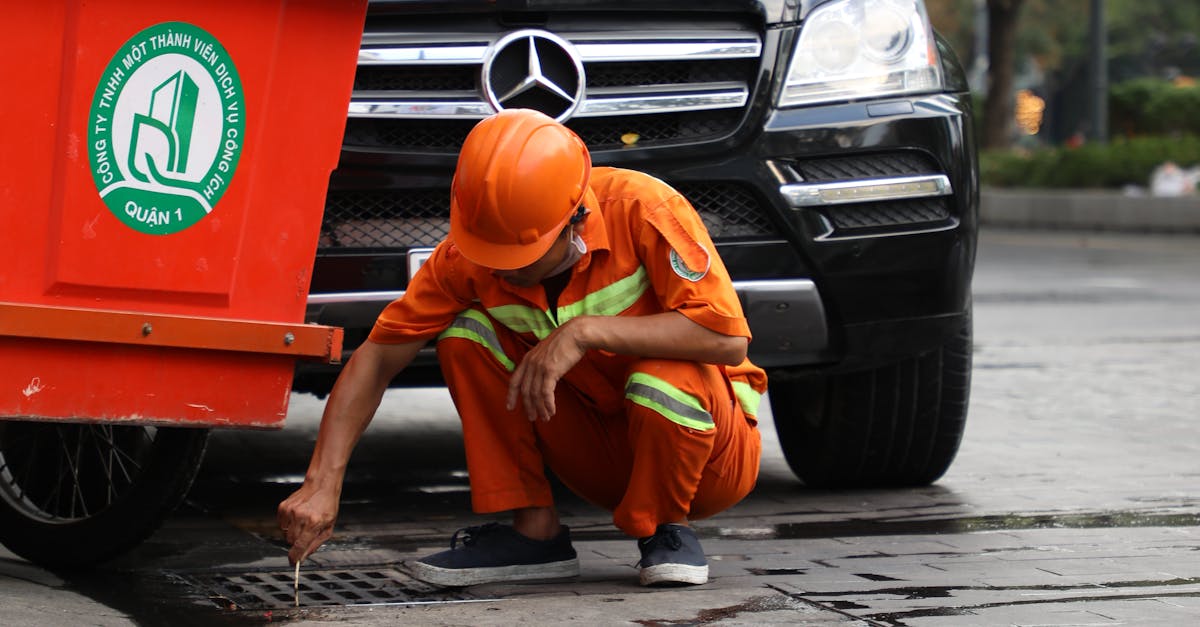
point(271, 590)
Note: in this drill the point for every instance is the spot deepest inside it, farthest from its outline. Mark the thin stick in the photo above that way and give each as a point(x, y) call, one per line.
point(296, 583)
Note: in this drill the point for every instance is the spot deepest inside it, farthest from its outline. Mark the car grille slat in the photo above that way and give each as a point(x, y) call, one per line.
point(427, 136)
point(636, 74)
point(606, 133)
point(445, 137)
point(416, 78)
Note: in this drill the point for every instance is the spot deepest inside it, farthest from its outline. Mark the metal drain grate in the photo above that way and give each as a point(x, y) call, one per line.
point(270, 590)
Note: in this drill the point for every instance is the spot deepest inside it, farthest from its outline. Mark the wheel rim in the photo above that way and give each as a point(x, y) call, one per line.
point(65, 473)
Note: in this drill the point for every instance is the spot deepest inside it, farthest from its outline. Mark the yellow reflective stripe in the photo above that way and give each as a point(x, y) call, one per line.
point(474, 326)
point(606, 301)
point(524, 319)
point(747, 397)
point(609, 300)
point(674, 404)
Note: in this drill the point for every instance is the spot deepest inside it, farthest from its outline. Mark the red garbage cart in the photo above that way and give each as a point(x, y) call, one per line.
point(162, 186)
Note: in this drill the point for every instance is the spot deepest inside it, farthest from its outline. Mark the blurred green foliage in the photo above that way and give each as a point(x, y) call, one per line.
point(1152, 106)
point(1123, 161)
point(1149, 43)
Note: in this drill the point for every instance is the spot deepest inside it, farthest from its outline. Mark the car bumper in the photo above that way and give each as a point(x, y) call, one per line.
point(787, 316)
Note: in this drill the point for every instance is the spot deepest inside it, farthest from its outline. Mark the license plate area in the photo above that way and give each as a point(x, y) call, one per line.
point(416, 258)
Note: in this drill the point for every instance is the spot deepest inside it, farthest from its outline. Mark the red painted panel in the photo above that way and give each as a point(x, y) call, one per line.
point(166, 157)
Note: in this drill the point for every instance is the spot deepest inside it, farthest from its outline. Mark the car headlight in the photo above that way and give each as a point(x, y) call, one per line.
point(852, 49)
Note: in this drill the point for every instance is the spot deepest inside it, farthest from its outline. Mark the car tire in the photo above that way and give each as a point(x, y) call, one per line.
point(75, 495)
point(896, 425)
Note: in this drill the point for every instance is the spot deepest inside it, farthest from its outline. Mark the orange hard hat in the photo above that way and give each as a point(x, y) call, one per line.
point(520, 177)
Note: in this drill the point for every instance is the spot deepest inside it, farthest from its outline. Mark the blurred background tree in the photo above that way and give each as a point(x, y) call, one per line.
point(1002, 21)
point(1157, 38)
point(1039, 49)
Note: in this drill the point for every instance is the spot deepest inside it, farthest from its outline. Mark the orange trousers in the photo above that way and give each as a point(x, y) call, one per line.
point(616, 453)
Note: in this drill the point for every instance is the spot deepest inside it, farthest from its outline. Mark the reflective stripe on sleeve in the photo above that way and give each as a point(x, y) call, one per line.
point(522, 319)
point(747, 397)
point(474, 326)
point(674, 404)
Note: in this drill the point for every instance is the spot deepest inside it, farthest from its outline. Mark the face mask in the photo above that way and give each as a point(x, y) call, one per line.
point(575, 250)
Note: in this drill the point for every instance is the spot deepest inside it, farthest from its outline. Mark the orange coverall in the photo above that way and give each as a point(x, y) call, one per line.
point(652, 440)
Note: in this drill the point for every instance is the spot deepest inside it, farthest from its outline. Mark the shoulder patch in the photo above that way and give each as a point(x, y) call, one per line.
point(681, 268)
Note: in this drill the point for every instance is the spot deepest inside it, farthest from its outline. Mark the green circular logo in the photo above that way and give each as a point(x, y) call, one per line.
point(166, 128)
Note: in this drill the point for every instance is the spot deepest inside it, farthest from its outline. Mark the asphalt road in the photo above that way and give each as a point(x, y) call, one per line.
point(1074, 500)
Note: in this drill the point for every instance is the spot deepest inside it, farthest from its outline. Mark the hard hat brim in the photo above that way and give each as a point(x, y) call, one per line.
point(499, 256)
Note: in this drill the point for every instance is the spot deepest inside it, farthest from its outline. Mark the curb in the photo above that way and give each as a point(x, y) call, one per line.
point(1089, 210)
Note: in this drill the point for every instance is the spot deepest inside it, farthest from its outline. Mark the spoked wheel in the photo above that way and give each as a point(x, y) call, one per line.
point(74, 495)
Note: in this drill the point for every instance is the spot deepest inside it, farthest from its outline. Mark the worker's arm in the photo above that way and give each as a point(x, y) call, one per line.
point(669, 335)
point(307, 516)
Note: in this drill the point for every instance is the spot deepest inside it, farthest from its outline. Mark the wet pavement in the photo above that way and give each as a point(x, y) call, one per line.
point(1075, 498)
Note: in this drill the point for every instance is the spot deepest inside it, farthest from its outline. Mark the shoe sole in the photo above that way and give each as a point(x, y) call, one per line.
point(668, 574)
point(459, 577)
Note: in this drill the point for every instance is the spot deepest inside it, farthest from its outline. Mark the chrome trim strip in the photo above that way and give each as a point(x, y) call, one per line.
point(831, 236)
point(801, 195)
point(590, 47)
point(733, 48)
point(786, 315)
point(423, 54)
point(333, 298)
point(683, 98)
point(388, 296)
point(420, 108)
point(668, 99)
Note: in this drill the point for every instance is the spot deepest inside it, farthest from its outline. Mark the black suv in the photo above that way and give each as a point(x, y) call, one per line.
point(828, 146)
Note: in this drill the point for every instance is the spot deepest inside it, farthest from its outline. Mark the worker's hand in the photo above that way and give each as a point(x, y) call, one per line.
point(306, 517)
point(537, 375)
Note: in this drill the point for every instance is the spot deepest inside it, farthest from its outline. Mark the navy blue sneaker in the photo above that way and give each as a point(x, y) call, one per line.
point(672, 556)
point(494, 552)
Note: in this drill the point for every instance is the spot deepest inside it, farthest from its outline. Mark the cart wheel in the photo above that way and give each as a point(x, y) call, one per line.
point(74, 495)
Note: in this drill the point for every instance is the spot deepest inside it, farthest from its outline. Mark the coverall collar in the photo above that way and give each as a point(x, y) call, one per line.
point(593, 231)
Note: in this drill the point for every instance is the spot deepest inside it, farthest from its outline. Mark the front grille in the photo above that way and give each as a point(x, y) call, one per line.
point(729, 210)
point(424, 96)
point(372, 219)
point(400, 218)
